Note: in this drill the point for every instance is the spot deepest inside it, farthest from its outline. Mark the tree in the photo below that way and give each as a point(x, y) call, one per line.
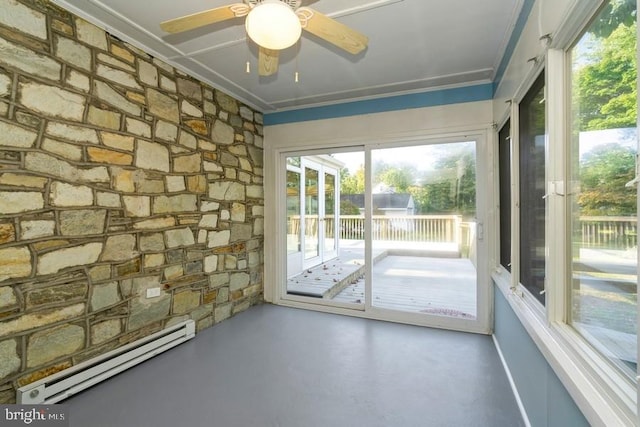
point(450, 187)
point(420, 194)
point(455, 189)
point(614, 14)
point(604, 172)
point(606, 98)
point(348, 208)
point(606, 90)
point(352, 184)
point(398, 178)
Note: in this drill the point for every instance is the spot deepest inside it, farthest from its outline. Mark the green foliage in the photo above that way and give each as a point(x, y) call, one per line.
point(454, 190)
point(352, 184)
point(614, 14)
point(605, 97)
point(603, 174)
point(397, 178)
point(420, 195)
point(348, 208)
point(605, 89)
point(449, 188)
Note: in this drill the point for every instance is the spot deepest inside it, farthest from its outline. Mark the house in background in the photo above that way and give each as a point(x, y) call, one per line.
point(389, 204)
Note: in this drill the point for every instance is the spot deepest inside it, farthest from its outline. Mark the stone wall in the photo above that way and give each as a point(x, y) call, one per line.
point(118, 174)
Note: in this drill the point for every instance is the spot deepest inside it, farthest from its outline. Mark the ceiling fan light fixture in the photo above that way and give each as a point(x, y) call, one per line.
point(272, 24)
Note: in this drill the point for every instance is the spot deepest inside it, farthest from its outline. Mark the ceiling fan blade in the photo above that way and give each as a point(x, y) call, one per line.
point(332, 31)
point(200, 19)
point(267, 61)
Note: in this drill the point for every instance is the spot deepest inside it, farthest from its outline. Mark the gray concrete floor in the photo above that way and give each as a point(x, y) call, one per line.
point(277, 366)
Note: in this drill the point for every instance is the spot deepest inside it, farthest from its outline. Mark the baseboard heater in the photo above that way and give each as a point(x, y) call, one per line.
point(70, 381)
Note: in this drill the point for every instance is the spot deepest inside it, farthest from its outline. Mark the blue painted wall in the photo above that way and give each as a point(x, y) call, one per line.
point(545, 399)
point(433, 98)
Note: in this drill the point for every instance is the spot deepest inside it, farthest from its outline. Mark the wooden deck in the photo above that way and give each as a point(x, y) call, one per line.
point(330, 278)
point(431, 279)
point(436, 280)
point(443, 286)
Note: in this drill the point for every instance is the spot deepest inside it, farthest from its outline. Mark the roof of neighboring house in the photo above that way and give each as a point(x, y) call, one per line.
point(380, 201)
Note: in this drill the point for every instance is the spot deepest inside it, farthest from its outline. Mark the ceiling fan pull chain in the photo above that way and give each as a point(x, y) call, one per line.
point(248, 57)
point(296, 75)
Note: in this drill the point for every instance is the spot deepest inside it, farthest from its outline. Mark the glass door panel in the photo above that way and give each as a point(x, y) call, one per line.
point(424, 229)
point(330, 245)
point(421, 227)
point(329, 263)
point(311, 211)
point(294, 226)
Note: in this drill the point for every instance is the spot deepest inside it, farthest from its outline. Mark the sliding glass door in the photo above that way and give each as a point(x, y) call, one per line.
point(314, 268)
point(424, 229)
point(396, 235)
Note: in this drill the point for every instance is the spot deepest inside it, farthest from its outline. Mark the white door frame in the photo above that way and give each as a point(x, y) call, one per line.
point(484, 303)
point(296, 261)
point(483, 137)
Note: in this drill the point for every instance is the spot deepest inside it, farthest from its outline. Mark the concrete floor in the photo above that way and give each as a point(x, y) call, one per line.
point(277, 366)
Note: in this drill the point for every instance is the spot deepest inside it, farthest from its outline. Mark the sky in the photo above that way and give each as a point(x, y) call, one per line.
point(422, 157)
point(627, 137)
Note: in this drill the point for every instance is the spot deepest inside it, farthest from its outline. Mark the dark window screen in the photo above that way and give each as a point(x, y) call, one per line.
point(504, 161)
point(532, 190)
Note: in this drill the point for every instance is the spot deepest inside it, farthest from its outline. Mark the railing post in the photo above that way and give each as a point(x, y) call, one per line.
point(458, 231)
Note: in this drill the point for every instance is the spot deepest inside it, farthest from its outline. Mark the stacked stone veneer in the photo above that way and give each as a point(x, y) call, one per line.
point(118, 174)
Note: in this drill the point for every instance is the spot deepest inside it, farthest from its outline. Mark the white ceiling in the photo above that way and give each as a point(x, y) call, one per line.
point(414, 46)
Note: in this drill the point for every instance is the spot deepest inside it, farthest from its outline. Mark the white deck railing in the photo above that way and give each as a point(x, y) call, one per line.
point(608, 232)
point(415, 228)
point(592, 231)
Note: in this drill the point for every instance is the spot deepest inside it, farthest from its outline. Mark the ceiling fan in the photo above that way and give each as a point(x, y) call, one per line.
point(274, 25)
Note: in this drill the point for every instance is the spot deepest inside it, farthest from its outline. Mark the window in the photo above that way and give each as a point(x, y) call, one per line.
point(311, 212)
point(293, 204)
point(293, 211)
point(532, 189)
point(504, 162)
point(603, 203)
point(577, 207)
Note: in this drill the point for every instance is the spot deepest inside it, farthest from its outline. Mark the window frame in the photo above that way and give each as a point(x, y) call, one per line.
point(603, 393)
point(526, 236)
point(505, 149)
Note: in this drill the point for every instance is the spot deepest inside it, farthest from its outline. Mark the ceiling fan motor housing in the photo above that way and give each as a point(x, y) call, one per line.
point(272, 24)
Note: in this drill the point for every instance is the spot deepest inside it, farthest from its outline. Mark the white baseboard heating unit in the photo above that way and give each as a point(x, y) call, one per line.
point(70, 381)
